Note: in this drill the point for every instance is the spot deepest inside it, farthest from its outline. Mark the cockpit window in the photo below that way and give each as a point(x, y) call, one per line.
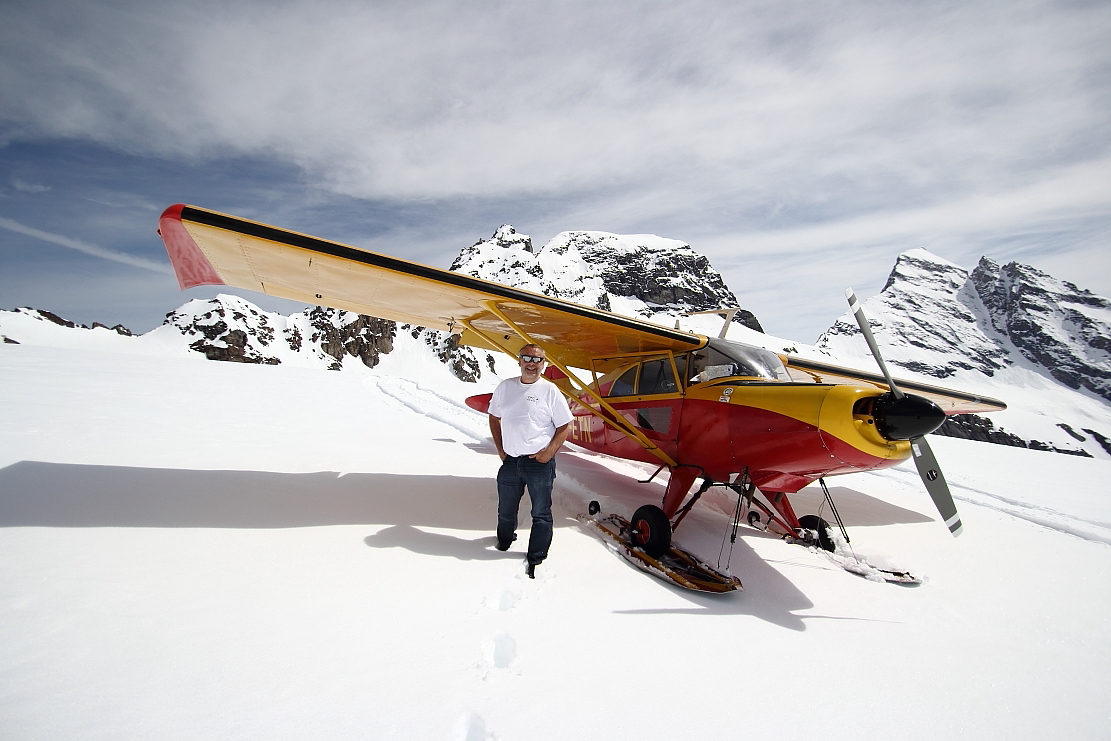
point(625, 385)
point(656, 377)
point(653, 376)
point(721, 358)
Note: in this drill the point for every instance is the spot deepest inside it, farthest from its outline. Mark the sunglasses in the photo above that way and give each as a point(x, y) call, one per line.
point(532, 358)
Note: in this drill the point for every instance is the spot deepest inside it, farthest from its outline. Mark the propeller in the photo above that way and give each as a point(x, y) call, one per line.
point(907, 407)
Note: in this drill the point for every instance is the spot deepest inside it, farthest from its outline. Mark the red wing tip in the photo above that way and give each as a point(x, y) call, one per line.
point(173, 212)
point(190, 264)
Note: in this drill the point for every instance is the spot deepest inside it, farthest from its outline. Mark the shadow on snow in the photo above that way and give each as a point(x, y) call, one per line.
point(38, 494)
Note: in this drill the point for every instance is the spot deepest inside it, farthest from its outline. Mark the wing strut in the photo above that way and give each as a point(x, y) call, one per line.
point(618, 422)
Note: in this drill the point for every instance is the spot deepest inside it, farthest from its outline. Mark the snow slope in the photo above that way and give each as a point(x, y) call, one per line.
point(195, 549)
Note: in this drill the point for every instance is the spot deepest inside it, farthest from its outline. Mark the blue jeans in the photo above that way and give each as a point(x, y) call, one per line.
point(515, 474)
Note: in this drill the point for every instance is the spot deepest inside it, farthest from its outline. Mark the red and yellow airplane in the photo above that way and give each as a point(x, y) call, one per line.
point(731, 414)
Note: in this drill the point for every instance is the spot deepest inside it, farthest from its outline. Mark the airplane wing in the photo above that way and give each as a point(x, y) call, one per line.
point(952, 402)
point(210, 248)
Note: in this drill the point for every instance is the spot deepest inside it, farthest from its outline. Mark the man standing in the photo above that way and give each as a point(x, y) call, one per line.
point(529, 420)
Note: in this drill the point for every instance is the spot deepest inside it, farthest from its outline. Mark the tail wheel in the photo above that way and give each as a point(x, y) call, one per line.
point(821, 527)
point(651, 531)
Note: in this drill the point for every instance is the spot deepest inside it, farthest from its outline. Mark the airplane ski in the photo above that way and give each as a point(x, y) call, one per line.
point(837, 550)
point(856, 565)
point(677, 566)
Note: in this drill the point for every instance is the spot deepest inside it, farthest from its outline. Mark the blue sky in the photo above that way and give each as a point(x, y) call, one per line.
point(801, 146)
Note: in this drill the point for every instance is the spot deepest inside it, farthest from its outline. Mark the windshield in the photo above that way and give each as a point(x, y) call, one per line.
point(721, 358)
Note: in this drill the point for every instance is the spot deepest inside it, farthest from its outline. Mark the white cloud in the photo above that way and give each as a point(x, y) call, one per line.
point(25, 187)
point(751, 128)
point(446, 99)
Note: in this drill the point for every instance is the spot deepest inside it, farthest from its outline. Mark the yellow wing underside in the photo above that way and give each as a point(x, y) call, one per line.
point(295, 266)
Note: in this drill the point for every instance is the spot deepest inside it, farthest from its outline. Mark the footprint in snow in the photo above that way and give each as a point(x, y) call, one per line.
point(502, 601)
point(499, 650)
point(469, 727)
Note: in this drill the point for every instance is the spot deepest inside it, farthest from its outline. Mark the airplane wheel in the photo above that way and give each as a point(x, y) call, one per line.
point(651, 530)
point(593, 508)
point(754, 520)
point(817, 524)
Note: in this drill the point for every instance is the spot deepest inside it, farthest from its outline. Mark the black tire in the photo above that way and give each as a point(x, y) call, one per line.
point(754, 520)
point(817, 524)
point(593, 508)
point(651, 530)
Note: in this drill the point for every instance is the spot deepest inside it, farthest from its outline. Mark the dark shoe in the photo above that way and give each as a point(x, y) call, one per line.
point(503, 545)
point(531, 571)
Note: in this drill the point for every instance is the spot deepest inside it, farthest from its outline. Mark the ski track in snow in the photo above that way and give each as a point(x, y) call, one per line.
point(1093, 530)
point(433, 405)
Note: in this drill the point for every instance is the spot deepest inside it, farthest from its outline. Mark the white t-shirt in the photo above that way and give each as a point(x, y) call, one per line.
point(529, 414)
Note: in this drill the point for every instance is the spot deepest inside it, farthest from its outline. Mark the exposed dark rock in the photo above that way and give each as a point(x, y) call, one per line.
point(55, 319)
point(975, 427)
point(9, 340)
point(341, 333)
point(1072, 433)
point(1104, 441)
point(293, 337)
point(118, 329)
point(52, 317)
point(1039, 445)
point(234, 349)
point(1051, 323)
point(461, 360)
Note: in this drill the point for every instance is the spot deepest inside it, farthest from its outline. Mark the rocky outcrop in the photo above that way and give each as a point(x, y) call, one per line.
point(1051, 323)
point(975, 427)
point(641, 275)
point(231, 329)
point(462, 361)
point(49, 316)
point(341, 333)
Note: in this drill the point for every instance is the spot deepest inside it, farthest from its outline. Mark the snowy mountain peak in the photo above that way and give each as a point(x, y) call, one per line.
point(640, 275)
point(506, 236)
point(923, 269)
point(1008, 325)
point(935, 317)
point(922, 320)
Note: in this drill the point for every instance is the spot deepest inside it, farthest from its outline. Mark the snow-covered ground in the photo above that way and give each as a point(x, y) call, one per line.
point(202, 550)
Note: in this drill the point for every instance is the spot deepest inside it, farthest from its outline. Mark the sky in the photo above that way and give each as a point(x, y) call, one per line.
point(800, 145)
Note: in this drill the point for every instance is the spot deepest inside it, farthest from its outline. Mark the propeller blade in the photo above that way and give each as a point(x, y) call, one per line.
point(934, 480)
point(923, 455)
point(862, 322)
